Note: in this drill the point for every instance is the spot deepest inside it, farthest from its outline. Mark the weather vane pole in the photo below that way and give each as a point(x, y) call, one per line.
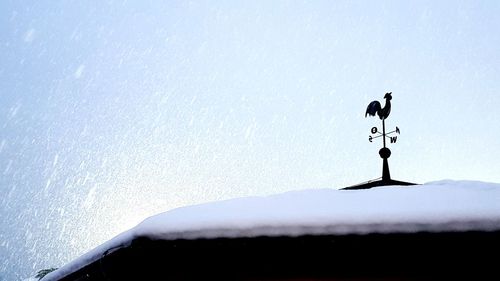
point(375, 108)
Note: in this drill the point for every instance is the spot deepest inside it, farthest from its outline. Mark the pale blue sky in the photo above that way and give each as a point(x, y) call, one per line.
point(113, 111)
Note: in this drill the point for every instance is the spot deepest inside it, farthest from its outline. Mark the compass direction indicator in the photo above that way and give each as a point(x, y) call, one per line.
point(393, 139)
point(375, 108)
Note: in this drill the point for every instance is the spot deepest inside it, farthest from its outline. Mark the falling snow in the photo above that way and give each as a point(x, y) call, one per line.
point(29, 36)
point(79, 71)
point(110, 115)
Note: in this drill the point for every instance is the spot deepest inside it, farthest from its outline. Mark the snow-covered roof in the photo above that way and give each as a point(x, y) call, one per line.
point(434, 207)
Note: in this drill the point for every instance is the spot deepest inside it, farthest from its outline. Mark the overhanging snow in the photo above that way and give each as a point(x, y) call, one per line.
point(433, 207)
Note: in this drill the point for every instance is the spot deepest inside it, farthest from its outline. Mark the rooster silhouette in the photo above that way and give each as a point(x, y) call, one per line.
point(375, 108)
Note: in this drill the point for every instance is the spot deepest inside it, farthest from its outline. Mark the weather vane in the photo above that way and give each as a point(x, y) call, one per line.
point(375, 108)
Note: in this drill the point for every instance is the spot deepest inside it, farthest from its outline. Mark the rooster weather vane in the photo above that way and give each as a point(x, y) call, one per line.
point(375, 108)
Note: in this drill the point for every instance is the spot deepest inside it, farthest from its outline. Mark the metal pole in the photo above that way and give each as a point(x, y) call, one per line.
point(383, 130)
point(386, 174)
point(385, 153)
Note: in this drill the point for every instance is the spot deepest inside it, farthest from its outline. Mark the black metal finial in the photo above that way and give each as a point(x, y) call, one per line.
point(383, 112)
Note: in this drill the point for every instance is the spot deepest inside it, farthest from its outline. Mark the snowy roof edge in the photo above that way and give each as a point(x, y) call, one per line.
point(486, 219)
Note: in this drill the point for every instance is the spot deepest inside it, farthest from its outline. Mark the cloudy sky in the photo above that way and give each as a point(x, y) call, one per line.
point(112, 111)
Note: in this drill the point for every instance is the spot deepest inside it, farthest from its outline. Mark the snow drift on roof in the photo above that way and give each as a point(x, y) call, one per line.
point(436, 206)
